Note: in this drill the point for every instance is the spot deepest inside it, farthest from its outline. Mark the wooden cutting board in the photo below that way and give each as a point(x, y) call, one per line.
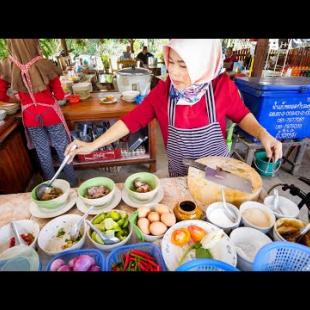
point(206, 192)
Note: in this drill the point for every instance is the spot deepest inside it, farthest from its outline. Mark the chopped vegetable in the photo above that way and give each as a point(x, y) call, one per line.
point(60, 232)
point(28, 238)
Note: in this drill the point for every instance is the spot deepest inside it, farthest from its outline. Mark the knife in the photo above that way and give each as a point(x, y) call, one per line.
point(222, 177)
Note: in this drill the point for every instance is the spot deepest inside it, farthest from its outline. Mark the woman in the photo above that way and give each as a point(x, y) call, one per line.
point(191, 107)
point(35, 82)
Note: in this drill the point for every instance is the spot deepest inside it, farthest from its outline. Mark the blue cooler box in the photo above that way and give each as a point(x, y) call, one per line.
point(280, 104)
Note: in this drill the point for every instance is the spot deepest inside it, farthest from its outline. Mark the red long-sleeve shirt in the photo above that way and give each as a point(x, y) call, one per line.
point(47, 96)
point(227, 101)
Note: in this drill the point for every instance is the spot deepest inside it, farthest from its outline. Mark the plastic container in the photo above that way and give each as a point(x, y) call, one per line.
point(66, 256)
point(280, 104)
point(264, 166)
point(282, 256)
point(115, 256)
point(20, 258)
point(206, 264)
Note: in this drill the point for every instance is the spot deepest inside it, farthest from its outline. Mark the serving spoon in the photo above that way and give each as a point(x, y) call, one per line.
point(46, 187)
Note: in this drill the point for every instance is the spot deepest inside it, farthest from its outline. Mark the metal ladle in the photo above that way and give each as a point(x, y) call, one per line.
point(41, 189)
point(107, 239)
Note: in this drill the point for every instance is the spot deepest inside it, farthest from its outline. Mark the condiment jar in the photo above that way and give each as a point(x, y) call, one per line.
point(187, 210)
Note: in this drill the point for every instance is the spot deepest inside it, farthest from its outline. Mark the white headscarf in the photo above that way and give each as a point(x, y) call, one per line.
point(204, 62)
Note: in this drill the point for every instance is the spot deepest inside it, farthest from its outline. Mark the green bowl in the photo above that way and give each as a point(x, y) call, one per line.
point(53, 203)
point(97, 182)
point(146, 177)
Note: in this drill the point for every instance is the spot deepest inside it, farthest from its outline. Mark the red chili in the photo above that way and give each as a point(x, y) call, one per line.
point(142, 267)
point(142, 254)
point(127, 257)
point(150, 262)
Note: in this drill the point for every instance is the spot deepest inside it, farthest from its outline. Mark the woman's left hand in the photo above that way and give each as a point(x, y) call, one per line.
point(272, 146)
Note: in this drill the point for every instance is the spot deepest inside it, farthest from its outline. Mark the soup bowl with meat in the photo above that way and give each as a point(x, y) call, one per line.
point(54, 198)
point(142, 186)
point(97, 191)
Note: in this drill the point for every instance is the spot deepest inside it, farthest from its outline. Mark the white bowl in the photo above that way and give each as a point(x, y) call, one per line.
point(276, 235)
point(51, 244)
point(23, 227)
point(218, 208)
point(288, 207)
point(2, 115)
point(256, 205)
point(97, 182)
point(248, 241)
point(53, 203)
point(130, 94)
point(109, 247)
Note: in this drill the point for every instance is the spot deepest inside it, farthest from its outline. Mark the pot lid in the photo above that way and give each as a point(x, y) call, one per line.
point(134, 71)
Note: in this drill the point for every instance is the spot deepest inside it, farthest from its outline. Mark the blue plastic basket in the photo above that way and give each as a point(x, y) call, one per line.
point(206, 264)
point(150, 248)
point(66, 256)
point(282, 256)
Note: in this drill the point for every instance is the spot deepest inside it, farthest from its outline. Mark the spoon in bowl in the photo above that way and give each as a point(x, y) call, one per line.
point(303, 232)
point(229, 213)
point(45, 187)
point(75, 229)
point(107, 239)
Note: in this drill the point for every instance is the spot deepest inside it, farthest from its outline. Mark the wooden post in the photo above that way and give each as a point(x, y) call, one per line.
point(131, 42)
point(260, 57)
point(64, 46)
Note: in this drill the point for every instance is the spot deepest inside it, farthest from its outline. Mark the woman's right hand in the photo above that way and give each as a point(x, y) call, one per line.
point(82, 148)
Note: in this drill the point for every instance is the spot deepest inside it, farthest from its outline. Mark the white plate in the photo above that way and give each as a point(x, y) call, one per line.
point(224, 250)
point(117, 197)
point(40, 213)
point(134, 203)
point(108, 102)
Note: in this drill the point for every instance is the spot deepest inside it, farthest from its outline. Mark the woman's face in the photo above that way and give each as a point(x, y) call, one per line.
point(178, 71)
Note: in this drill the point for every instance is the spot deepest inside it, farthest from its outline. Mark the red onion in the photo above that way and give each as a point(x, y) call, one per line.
point(72, 261)
point(64, 268)
point(56, 264)
point(95, 268)
point(83, 263)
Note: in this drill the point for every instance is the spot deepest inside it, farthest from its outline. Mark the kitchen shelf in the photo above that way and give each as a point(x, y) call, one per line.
point(91, 110)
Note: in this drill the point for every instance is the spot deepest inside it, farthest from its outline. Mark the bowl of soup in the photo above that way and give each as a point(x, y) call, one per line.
point(53, 198)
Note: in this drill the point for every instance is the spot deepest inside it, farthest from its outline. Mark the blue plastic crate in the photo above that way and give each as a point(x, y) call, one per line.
point(206, 264)
point(280, 104)
point(282, 256)
point(115, 255)
point(66, 256)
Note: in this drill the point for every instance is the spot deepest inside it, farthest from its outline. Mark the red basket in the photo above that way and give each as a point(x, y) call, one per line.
point(100, 155)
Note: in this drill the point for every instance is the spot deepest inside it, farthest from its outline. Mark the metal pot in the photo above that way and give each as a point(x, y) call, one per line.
point(134, 79)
